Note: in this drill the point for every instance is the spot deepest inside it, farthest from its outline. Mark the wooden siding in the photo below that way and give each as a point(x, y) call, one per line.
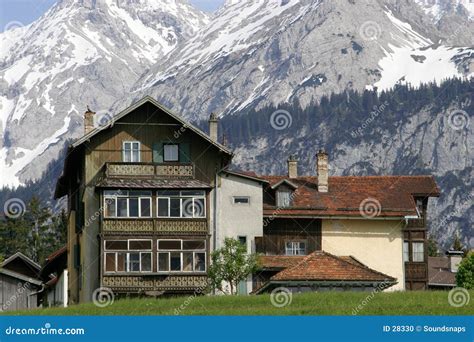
point(278, 231)
point(16, 294)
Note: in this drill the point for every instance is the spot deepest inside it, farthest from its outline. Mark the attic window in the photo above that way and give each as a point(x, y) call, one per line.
point(283, 198)
point(171, 152)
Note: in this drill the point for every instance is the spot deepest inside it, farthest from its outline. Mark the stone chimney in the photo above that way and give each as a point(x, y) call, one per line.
point(455, 258)
point(213, 122)
point(322, 168)
point(292, 167)
point(88, 120)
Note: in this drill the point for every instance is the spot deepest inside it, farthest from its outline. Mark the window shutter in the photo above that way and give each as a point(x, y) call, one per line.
point(184, 153)
point(158, 152)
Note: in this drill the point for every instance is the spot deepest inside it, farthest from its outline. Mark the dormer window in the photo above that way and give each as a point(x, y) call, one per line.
point(131, 152)
point(283, 198)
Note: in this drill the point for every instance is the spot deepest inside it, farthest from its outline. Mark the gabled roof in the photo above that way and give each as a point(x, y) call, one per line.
point(439, 272)
point(24, 258)
point(284, 181)
point(392, 196)
point(166, 110)
point(19, 276)
point(244, 174)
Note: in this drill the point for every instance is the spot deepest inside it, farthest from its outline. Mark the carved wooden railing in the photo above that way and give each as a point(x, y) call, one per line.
point(178, 170)
point(153, 282)
point(154, 225)
point(414, 271)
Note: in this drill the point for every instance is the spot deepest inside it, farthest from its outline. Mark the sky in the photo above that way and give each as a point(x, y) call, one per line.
point(14, 13)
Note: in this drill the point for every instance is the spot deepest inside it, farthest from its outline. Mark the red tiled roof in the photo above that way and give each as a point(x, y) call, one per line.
point(56, 253)
point(347, 193)
point(279, 261)
point(322, 266)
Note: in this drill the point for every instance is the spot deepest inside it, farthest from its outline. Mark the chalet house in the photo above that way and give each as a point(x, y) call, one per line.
point(150, 197)
point(19, 283)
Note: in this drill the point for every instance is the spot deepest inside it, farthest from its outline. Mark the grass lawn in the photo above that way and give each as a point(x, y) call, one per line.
point(328, 303)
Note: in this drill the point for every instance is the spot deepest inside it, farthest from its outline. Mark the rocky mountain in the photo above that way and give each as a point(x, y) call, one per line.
point(268, 52)
point(80, 53)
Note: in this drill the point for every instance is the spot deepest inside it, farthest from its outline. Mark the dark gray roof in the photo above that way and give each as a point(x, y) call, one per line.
point(439, 272)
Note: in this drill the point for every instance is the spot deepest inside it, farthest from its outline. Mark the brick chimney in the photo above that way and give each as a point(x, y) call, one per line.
point(455, 258)
point(213, 122)
point(88, 120)
point(292, 167)
point(322, 168)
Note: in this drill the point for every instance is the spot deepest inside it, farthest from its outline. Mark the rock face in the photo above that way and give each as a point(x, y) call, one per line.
point(79, 53)
point(256, 53)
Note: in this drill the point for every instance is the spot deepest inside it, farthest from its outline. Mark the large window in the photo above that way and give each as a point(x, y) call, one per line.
point(295, 248)
point(131, 152)
point(127, 203)
point(418, 251)
point(183, 204)
point(181, 255)
point(127, 256)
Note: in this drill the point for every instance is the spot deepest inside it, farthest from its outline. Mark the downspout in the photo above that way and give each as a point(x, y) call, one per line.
point(214, 229)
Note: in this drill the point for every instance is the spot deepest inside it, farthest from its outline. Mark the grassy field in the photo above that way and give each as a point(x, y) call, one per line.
point(329, 303)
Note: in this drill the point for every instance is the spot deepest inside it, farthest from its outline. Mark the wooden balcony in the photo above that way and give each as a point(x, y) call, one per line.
point(416, 271)
point(167, 170)
point(153, 282)
point(416, 223)
point(155, 226)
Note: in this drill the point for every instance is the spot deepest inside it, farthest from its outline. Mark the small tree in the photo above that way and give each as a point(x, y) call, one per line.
point(432, 246)
point(465, 274)
point(231, 264)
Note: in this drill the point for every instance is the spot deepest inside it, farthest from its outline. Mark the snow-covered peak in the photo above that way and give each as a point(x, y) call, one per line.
point(436, 9)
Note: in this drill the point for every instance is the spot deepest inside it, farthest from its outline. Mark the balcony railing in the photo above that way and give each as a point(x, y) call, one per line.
point(153, 225)
point(155, 283)
point(173, 170)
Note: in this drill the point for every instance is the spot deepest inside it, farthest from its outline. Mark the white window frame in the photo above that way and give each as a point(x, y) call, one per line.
point(127, 196)
point(295, 248)
point(278, 195)
point(181, 198)
point(406, 251)
point(164, 153)
point(131, 142)
point(127, 257)
point(181, 251)
point(234, 198)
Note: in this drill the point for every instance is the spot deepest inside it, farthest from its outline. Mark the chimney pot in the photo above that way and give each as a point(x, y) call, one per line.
point(322, 168)
point(213, 122)
point(88, 120)
point(292, 167)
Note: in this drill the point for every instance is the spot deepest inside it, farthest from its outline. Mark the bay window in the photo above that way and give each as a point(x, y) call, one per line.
point(181, 204)
point(127, 256)
point(418, 251)
point(127, 203)
point(181, 255)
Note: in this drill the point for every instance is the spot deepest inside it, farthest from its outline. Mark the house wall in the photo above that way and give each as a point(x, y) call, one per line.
point(376, 243)
point(57, 296)
point(235, 220)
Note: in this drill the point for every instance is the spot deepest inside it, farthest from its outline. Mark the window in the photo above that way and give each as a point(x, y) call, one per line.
point(131, 152)
point(241, 200)
point(406, 252)
point(127, 203)
point(182, 204)
point(181, 255)
point(170, 152)
point(418, 251)
point(243, 241)
point(283, 198)
point(127, 256)
point(295, 248)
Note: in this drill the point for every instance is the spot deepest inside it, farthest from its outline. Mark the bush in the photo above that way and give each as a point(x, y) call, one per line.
point(465, 275)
